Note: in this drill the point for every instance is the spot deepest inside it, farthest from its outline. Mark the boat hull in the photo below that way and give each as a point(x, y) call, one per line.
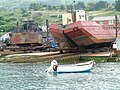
point(88, 33)
point(85, 33)
point(73, 68)
point(78, 71)
point(57, 33)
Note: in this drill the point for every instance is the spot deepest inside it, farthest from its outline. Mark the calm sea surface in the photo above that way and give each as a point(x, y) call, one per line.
point(34, 77)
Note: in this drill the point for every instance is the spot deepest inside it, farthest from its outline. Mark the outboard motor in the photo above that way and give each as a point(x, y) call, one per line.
point(53, 66)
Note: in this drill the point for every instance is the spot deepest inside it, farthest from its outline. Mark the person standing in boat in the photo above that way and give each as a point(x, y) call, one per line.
point(55, 65)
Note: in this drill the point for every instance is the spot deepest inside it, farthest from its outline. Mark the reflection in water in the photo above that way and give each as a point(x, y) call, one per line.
point(34, 77)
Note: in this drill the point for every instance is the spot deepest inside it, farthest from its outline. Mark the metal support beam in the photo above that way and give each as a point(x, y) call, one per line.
point(47, 26)
point(116, 26)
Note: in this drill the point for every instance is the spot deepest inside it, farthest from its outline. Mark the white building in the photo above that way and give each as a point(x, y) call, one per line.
point(80, 15)
point(105, 20)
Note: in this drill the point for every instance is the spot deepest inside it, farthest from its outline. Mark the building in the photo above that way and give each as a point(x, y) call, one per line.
point(80, 15)
point(109, 20)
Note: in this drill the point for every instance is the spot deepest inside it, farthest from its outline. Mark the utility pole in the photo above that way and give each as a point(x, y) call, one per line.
point(47, 26)
point(116, 30)
point(17, 27)
point(74, 12)
point(74, 5)
point(116, 26)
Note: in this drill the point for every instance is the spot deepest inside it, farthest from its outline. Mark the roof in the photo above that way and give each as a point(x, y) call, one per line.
point(103, 18)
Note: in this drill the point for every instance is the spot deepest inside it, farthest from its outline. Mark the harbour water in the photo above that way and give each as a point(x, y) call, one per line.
point(33, 77)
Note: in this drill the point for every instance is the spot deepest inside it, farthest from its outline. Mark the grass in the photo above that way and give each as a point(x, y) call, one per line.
point(50, 15)
point(104, 13)
point(40, 16)
point(9, 18)
point(97, 59)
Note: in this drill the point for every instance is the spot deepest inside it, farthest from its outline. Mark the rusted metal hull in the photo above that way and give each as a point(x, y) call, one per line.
point(85, 33)
point(57, 33)
point(26, 38)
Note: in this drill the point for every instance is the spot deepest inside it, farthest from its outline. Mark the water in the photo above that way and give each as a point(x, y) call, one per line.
point(34, 77)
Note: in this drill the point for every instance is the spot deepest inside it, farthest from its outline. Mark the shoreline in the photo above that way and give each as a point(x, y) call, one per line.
point(47, 57)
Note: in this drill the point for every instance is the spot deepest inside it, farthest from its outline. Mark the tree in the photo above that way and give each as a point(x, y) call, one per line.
point(25, 13)
point(80, 5)
point(90, 6)
point(34, 6)
point(49, 7)
point(117, 5)
point(62, 7)
point(69, 7)
point(100, 5)
point(1, 17)
point(54, 8)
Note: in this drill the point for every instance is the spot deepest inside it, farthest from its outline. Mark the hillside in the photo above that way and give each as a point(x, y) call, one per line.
point(12, 14)
point(9, 18)
point(104, 13)
point(11, 4)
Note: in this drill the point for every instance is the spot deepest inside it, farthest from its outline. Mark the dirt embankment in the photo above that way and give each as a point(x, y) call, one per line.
point(32, 57)
point(46, 57)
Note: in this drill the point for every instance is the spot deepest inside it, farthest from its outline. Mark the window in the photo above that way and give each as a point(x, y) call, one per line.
point(80, 17)
point(110, 21)
point(101, 22)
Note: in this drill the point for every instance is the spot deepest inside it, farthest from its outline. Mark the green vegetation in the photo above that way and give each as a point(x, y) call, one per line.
point(117, 5)
point(77, 59)
point(95, 58)
point(104, 13)
point(79, 5)
point(62, 59)
point(100, 5)
point(9, 18)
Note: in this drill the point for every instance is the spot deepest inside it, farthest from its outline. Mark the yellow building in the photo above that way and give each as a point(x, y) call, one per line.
point(80, 15)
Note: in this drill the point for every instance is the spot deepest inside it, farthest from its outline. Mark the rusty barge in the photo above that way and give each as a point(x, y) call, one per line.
point(26, 38)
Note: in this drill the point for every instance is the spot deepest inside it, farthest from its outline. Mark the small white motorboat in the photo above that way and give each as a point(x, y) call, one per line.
point(72, 68)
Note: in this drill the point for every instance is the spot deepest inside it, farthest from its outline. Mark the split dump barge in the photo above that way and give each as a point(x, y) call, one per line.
point(87, 34)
